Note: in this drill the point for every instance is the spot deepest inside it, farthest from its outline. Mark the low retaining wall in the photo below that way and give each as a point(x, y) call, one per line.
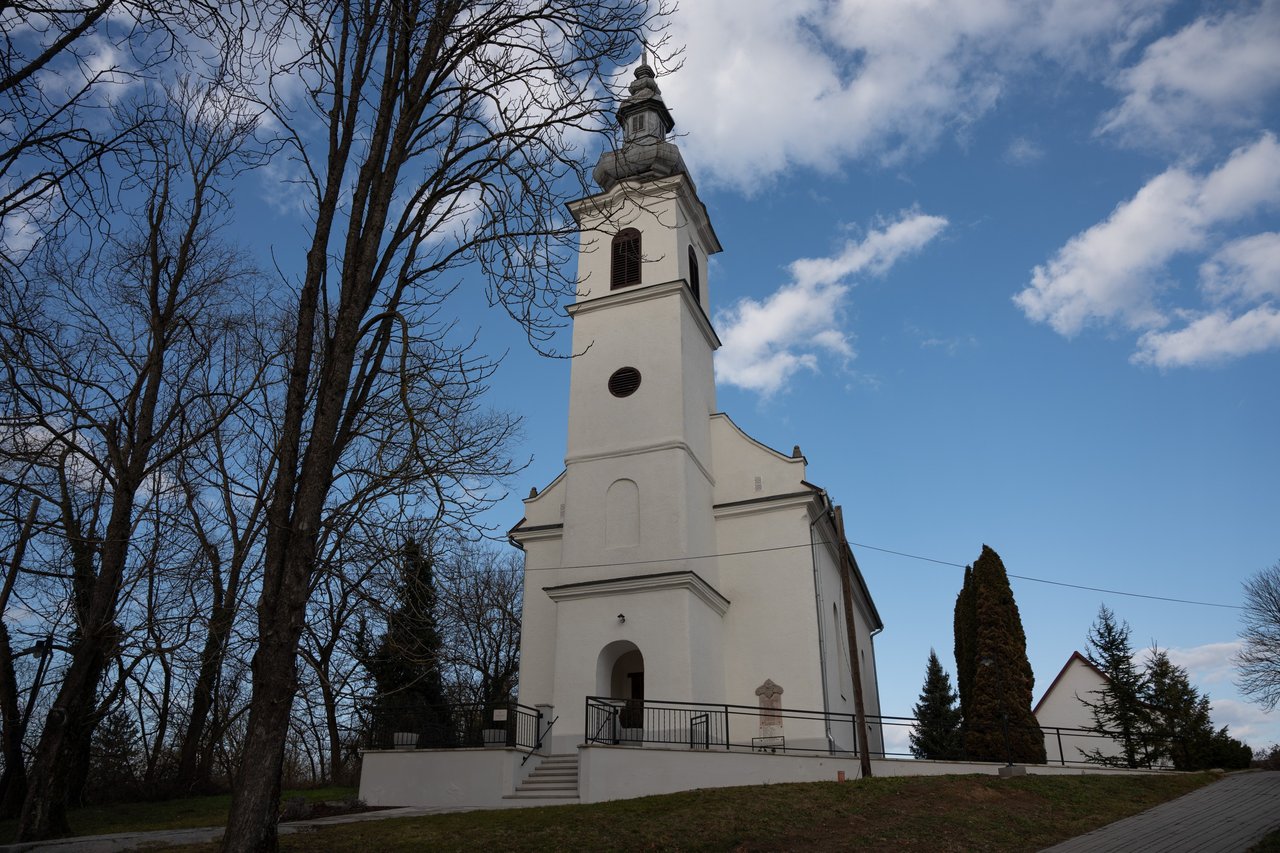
point(481, 778)
point(909, 767)
point(619, 772)
point(450, 778)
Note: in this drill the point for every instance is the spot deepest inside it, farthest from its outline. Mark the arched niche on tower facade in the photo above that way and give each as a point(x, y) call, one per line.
point(622, 514)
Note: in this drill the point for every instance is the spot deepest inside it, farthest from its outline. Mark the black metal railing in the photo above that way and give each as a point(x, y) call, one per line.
point(701, 725)
point(1064, 746)
point(454, 726)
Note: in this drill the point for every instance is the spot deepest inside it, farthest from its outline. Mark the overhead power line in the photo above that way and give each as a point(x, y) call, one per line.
point(1057, 583)
point(895, 553)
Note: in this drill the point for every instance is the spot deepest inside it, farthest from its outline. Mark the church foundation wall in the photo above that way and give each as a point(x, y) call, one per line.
point(448, 778)
point(619, 773)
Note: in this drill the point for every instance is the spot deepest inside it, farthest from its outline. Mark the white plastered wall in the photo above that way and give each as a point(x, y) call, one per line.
point(1062, 707)
point(667, 215)
point(665, 625)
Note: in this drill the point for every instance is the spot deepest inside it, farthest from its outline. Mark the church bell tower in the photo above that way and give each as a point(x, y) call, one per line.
point(638, 460)
point(620, 585)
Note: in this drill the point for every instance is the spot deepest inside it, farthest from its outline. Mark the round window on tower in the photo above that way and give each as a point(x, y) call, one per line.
point(624, 382)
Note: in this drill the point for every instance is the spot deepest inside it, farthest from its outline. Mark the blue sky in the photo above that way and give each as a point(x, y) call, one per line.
point(1009, 273)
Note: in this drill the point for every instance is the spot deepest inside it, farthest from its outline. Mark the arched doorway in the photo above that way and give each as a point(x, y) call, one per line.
point(620, 676)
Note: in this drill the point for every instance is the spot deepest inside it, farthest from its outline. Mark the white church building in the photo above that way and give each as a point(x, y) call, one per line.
point(693, 615)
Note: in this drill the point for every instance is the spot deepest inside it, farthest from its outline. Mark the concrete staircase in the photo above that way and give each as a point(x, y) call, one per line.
point(552, 782)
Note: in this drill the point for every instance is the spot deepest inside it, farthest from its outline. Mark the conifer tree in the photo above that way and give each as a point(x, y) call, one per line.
point(966, 639)
point(937, 733)
point(1119, 710)
point(998, 723)
point(405, 664)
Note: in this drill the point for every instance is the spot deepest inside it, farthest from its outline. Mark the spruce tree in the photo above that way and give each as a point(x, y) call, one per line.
point(405, 665)
point(966, 639)
point(1181, 732)
point(1119, 710)
point(998, 723)
point(937, 733)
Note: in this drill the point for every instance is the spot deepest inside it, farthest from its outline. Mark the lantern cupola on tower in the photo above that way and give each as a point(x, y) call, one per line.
point(645, 153)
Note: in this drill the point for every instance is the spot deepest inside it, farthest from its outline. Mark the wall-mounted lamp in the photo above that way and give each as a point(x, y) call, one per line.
point(622, 617)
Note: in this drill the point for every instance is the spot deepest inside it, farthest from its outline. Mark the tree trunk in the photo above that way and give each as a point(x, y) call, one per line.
point(211, 658)
point(251, 825)
point(60, 760)
point(44, 813)
point(337, 765)
point(13, 785)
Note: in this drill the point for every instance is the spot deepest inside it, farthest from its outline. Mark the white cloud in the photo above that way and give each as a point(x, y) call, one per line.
point(1246, 722)
point(766, 342)
point(1211, 669)
point(1209, 664)
point(1218, 71)
point(1023, 152)
point(767, 86)
point(1107, 272)
point(1247, 269)
point(1212, 339)
point(897, 739)
point(1117, 270)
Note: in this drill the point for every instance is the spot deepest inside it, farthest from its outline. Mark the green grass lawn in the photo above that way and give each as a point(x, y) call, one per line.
point(947, 813)
point(164, 814)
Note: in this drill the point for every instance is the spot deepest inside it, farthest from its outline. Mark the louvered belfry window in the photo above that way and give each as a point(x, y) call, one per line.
point(626, 259)
point(695, 283)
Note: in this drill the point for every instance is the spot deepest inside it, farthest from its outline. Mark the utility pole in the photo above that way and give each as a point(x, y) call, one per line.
point(846, 587)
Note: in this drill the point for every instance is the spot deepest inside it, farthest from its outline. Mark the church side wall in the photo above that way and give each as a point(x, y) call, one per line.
point(538, 623)
point(867, 665)
point(835, 636)
point(838, 658)
point(771, 627)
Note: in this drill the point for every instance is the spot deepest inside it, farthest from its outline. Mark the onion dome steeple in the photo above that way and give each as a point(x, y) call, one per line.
point(645, 121)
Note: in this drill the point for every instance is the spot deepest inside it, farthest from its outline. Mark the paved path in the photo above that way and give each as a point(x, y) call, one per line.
point(168, 837)
point(1227, 816)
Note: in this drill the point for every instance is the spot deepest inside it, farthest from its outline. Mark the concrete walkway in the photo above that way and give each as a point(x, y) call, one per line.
point(1226, 816)
point(202, 835)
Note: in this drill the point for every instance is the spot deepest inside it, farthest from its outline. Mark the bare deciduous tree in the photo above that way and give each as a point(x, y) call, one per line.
point(13, 785)
point(61, 66)
point(1259, 658)
point(106, 353)
point(446, 136)
point(225, 484)
point(479, 607)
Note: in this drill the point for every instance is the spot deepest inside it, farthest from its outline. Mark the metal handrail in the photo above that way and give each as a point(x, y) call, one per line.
point(542, 734)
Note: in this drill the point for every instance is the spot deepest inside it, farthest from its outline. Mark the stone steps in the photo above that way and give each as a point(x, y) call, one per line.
point(554, 779)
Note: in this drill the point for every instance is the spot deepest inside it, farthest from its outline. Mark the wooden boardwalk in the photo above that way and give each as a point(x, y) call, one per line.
point(1224, 817)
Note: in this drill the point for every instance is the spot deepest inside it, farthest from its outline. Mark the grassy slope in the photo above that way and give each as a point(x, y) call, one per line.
point(898, 814)
point(163, 814)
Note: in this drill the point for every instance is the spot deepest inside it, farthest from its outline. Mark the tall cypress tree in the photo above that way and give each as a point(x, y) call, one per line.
point(998, 721)
point(405, 664)
point(1119, 711)
point(937, 733)
point(966, 639)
